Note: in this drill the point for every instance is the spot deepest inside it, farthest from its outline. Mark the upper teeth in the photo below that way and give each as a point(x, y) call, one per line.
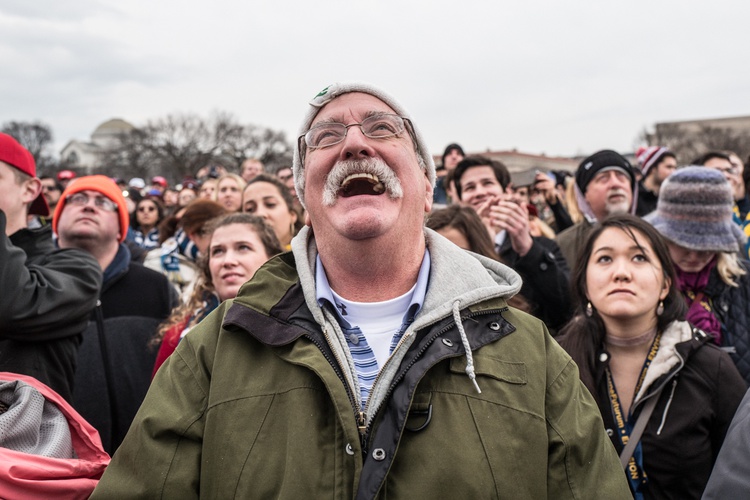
point(351, 177)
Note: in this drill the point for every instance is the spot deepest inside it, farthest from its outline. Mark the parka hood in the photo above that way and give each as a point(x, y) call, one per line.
point(455, 275)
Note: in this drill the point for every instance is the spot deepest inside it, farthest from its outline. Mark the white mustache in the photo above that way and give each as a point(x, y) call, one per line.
point(617, 192)
point(374, 166)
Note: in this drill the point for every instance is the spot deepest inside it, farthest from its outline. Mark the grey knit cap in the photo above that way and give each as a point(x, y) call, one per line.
point(336, 90)
point(695, 211)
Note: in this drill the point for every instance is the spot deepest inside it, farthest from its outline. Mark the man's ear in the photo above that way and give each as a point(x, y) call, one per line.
point(428, 194)
point(30, 190)
point(308, 222)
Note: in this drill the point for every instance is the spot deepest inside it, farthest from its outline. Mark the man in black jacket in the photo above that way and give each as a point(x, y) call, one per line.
point(484, 185)
point(116, 360)
point(48, 293)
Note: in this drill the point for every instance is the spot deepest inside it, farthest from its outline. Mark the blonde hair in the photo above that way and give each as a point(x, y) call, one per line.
point(541, 227)
point(729, 268)
point(239, 180)
point(570, 200)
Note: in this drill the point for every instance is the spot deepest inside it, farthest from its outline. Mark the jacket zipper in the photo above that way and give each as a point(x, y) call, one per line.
point(336, 368)
point(671, 376)
point(363, 425)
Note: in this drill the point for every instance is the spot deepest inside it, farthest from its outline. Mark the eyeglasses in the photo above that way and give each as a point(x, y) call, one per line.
point(733, 170)
point(82, 199)
point(49, 188)
point(380, 126)
point(144, 208)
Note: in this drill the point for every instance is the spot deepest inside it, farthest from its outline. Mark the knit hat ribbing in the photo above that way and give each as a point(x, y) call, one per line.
point(694, 211)
point(650, 156)
point(605, 159)
point(101, 184)
point(336, 90)
point(448, 149)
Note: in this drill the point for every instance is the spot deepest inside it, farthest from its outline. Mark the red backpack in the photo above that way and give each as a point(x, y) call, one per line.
point(25, 421)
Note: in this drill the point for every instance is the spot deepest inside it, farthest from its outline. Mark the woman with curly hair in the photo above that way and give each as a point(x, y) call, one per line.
point(239, 244)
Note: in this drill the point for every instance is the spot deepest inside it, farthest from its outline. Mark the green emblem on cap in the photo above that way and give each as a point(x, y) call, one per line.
point(322, 92)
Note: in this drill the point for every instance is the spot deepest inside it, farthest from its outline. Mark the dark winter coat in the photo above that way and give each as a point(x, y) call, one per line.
point(731, 305)
point(545, 280)
point(700, 391)
point(134, 300)
point(48, 295)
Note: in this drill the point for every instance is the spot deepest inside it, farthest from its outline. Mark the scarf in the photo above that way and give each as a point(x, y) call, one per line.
point(179, 244)
point(699, 312)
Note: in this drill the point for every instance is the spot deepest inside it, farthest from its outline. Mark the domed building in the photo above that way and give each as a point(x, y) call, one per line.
point(87, 156)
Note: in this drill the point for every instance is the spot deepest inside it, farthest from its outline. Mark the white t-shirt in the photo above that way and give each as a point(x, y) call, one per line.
point(378, 321)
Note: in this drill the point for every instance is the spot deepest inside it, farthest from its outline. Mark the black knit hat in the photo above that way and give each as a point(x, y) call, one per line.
point(605, 159)
point(448, 149)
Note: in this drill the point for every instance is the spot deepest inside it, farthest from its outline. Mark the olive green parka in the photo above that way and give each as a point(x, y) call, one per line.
point(257, 401)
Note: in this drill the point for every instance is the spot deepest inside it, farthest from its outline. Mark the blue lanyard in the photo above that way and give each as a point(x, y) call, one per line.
point(636, 475)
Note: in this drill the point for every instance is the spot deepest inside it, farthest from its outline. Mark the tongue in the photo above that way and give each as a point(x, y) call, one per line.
point(361, 186)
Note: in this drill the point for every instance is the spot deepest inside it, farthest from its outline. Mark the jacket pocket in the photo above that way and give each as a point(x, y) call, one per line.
point(512, 372)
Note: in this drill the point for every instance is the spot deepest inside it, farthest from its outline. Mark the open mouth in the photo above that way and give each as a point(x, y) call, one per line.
point(363, 183)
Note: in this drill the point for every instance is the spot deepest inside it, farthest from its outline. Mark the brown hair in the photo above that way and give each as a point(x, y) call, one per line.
point(465, 220)
point(285, 195)
point(583, 336)
point(204, 284)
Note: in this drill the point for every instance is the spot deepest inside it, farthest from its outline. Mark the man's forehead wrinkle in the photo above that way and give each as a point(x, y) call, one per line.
point(368, 114)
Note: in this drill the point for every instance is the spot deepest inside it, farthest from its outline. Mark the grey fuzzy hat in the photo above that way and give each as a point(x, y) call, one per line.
point(336, 90)
point(695, 211)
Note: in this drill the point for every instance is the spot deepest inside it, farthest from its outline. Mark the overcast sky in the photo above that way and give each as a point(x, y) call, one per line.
point(560, 78)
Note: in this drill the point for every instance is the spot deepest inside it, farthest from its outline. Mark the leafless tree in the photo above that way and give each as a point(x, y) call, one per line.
point(688, 143)
point(37, 138)
point(178, 145)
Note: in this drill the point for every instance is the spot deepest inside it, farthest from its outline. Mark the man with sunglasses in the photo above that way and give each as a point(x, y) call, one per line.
point(51, 190)
point(48, 293)
point(115, 362)
point(377, 359)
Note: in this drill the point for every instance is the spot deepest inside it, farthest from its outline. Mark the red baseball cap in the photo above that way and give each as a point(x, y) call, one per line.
point(66, 175)
point(17, 156)
point(159, 180)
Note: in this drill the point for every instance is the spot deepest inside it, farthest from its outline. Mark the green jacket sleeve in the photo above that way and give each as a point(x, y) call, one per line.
point(582, 461)
point(161, 454)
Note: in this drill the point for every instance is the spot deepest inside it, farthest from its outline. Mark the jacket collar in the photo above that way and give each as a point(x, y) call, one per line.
point(678, 341)
point(119, 264)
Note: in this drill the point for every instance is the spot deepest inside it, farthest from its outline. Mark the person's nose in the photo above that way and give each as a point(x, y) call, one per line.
point(261, 212)
point(356, 145)
point(622, 270)
point(230, 258)
point(618, 181)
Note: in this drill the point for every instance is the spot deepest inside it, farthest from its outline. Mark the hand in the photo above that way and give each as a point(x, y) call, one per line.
point(546, 186)
point(511, 217)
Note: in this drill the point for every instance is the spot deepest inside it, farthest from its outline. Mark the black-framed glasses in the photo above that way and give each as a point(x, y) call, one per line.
point(82, 199)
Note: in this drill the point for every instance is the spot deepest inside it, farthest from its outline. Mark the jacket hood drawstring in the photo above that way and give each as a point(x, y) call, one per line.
point(465, 341)
point(666, 408)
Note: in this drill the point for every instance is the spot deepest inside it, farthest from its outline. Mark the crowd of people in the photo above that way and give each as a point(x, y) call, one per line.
point(319, 329)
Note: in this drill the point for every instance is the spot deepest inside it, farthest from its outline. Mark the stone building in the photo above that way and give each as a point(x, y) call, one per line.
point(85, 157)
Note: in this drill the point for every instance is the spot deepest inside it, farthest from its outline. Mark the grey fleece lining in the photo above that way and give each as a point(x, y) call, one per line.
point(455, 276)
point(32, 424)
